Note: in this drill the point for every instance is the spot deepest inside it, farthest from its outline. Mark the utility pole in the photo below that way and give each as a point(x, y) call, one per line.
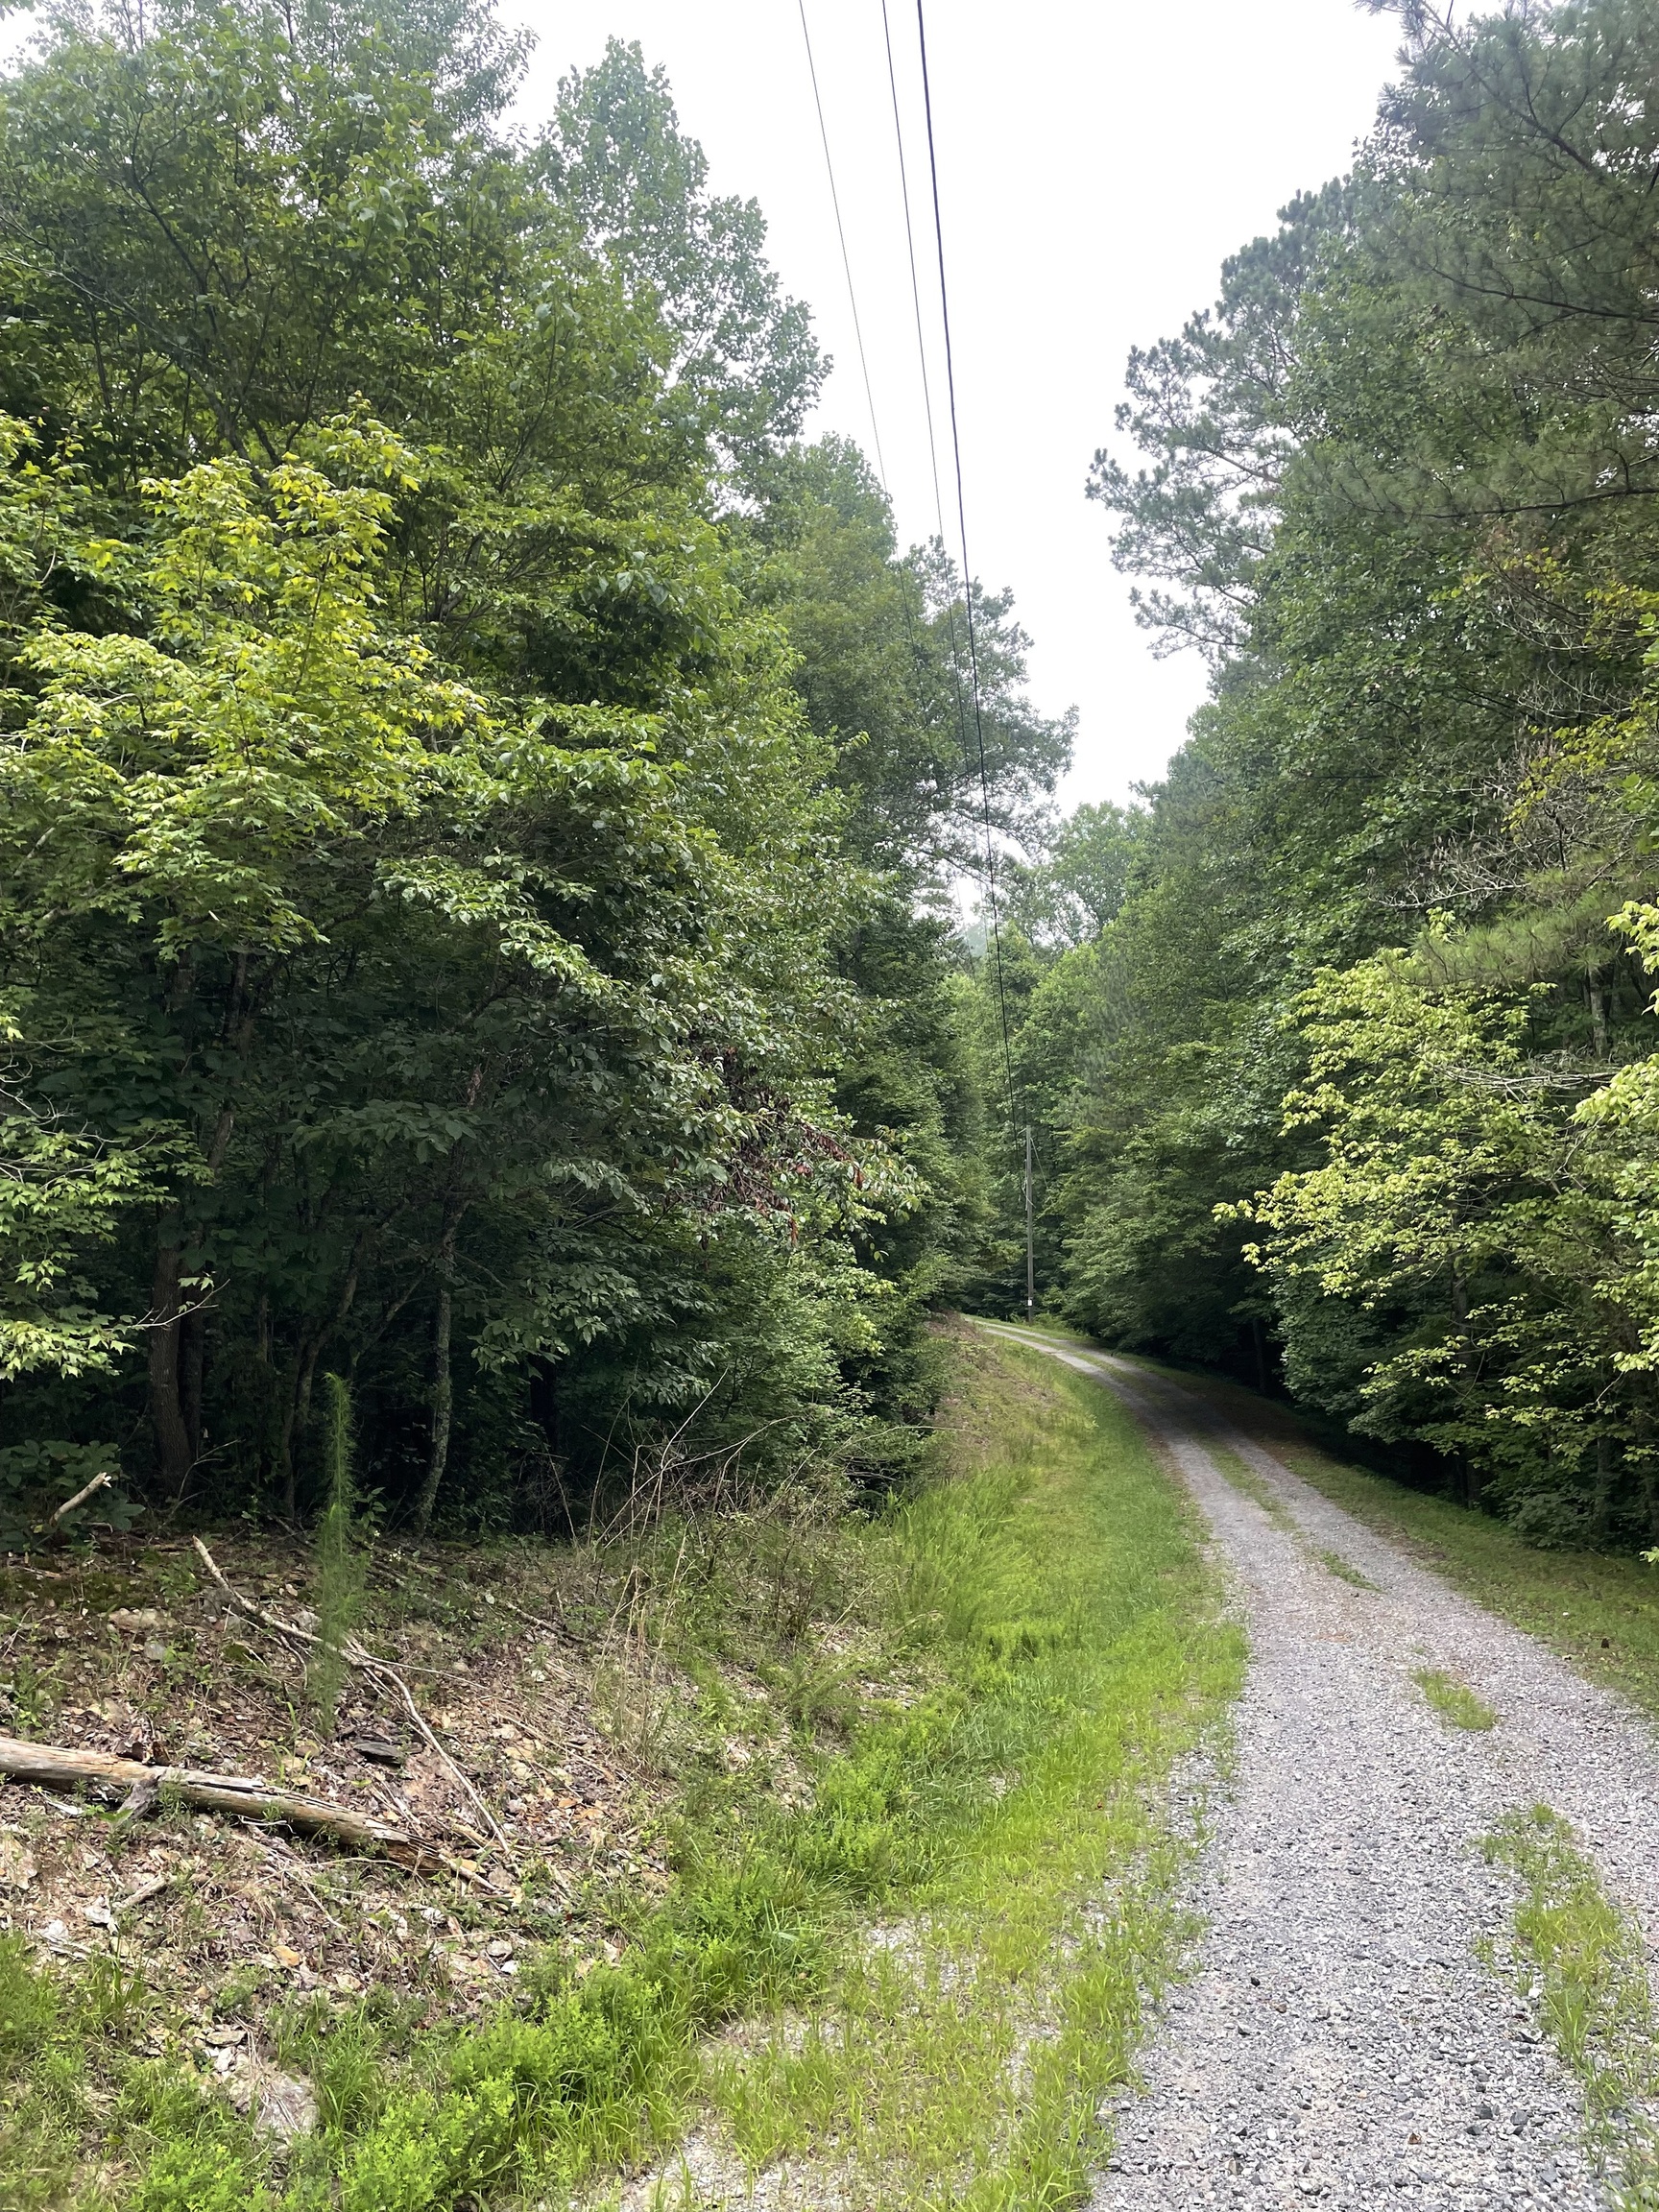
point(1030, 1244)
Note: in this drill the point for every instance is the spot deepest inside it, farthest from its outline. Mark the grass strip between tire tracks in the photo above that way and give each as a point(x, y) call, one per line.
point(1455, 1701)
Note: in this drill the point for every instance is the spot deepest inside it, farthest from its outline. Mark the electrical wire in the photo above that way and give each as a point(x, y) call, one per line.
point(915, 279)
point(927, 393)
point(932, 447)
point(846, 258)
point(927, 379)
point(967, 571)
point(909, 613)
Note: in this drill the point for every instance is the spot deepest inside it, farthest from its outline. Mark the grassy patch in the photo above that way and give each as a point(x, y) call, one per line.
point(1583, 1965)
point(1344, 1569)
point(1246, 1479)
point(961, 2058)
point(971, 1704)
point(1453, 1700)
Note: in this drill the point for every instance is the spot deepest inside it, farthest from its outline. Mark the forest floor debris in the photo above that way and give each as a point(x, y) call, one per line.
point(720, 1756)
point(580, 1695)
point(134, 1653)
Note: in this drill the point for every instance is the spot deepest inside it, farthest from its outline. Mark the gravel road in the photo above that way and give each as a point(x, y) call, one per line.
point(1340, 2041)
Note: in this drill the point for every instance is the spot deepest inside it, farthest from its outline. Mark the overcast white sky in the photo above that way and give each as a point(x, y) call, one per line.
point(1096, 164)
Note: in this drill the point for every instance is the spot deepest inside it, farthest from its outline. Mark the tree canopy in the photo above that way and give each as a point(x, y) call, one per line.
point(476, 786)
point(1347, 1084)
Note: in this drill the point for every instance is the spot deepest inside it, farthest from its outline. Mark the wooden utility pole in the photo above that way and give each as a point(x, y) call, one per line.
point(1030, 1244)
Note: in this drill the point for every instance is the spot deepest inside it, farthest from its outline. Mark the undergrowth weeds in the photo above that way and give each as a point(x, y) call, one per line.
point(1455, 1701)
point(1583, 1963)
point(960, 2058)
point(941, 1937)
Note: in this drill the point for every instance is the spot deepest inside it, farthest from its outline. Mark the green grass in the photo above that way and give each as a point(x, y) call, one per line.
point(962, 2061)
point(1246, 1479)
point(1455, 1701)
point(1344, 1569)
point(1583, 1963)
point(1048, 1606)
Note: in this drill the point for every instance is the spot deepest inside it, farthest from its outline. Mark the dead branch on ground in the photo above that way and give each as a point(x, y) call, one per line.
point(380, 1670)
point(245, 1797)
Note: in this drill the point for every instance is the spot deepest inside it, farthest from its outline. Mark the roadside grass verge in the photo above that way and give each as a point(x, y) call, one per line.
point(961, 2058)
point(975, 1701)
point(1455, 1701)
point(1582, 1963)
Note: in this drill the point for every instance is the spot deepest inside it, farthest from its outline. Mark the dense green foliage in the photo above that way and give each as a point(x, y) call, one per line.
point(474, 785)
point(1350, 1078)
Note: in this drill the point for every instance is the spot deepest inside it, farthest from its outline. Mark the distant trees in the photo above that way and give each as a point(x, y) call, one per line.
point(1359, 1078)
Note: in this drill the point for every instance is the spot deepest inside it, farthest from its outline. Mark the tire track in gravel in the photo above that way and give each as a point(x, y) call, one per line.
point(1340, 2042)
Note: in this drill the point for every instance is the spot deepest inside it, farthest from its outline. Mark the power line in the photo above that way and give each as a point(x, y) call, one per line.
point(915, 279)
point(967, 571)
point(926, 381)
point(933, 442)
point(846, 258)
point(926, 392)
point(905, 608)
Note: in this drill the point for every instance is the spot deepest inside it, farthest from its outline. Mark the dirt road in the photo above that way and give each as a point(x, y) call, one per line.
point(1343, 2041)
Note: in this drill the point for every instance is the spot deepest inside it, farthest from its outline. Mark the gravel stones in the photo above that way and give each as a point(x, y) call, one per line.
point(1341, 2041)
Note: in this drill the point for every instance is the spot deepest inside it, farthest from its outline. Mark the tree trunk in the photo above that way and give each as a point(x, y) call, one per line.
point(176, 1339)
point(1595, 991)
point(544, 1401)
point(266, 1384)
point(443, 1383)
point(297, 1412)
point(1468, 1466)
point(174, 1456)
point(1601, 1511)
point(1258, 1338)
point(296, 1418)
point(1651, 1500)
point(285, 1440)
point(192, 1375)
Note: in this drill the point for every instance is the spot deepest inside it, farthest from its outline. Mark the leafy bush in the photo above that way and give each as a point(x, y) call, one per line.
point(198, 2178)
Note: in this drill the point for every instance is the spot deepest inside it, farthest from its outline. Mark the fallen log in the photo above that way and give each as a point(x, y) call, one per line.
point(56, 1767)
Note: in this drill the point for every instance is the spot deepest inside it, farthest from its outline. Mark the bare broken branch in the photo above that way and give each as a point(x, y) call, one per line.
point(56, 1767)
point(379, 1670)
